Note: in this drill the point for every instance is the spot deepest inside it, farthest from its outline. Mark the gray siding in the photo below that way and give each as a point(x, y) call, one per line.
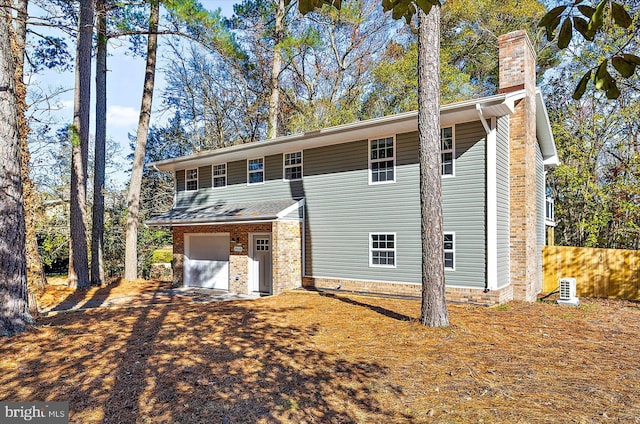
point(502, 162)
point(204, 177)
point(540, 213)
point(180, 180)
point(342, 208)
point(237, 189)
point(464, 206)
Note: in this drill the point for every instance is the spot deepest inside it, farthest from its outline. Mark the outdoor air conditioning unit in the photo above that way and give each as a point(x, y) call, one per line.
point(568, 292)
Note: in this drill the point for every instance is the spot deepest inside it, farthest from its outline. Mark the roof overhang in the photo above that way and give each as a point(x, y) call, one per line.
point(466, 111)
point(394, 124)
point(229, 213)
point(544, 133)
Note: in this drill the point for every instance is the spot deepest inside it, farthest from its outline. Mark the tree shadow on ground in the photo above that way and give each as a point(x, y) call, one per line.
point(93, 299)
point(374, 308)
point(219, 362)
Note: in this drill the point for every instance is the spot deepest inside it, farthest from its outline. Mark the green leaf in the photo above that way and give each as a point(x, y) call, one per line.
point(582, 26)
point(587, 11)
point(596, 21)
point(425, 5)
point(582, 86)
point(565, 34)
point(552, 27)
point(631, 58)
point(613, 92)
point(625, 68)
point(551, 16)
point(620, 15)
point(603, 78)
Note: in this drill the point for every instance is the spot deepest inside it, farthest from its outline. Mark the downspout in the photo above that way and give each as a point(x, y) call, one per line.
point(491, 281)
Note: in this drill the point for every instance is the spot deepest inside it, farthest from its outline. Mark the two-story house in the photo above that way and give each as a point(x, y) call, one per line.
point(340, 207)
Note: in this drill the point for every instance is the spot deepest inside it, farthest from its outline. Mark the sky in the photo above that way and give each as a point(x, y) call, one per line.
point(124, 91)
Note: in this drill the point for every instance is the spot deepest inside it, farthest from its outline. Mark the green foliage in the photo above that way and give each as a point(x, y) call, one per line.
point(607, 17)
point(160, 256)
point(73, 135)
point(596, 185)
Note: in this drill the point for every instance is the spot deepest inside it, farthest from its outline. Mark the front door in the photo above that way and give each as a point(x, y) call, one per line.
point(262, 263)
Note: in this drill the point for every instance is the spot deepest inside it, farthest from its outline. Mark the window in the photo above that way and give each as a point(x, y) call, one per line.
point(220, 175)
point(382, 160)
point(382, 250)
point(292, 166)
point(191, 179)
point(255, 170)
point(447, 150)
point(449, 251)
point(549, 210)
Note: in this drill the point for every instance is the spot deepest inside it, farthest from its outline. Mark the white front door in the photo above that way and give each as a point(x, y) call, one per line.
point(207, 261)
point(261, 263)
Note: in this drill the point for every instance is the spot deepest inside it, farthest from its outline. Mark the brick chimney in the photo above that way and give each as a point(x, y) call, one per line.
point(518, 72)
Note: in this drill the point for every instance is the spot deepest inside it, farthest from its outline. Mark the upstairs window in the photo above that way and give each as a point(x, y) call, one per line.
point(191, 179)
point(549, 210)
point(382, 250)
point(447, 151)
point(220, 175)
point(255, 171)
point(292, 166)
point(382, 160)
point(449, 251)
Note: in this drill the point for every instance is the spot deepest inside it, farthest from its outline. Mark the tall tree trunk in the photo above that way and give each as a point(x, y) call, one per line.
point(133, 197)
point(79, 133)
point(434, 308)
point(14, 305)
point(97, 231)
point(276, 67)
point(35, 269)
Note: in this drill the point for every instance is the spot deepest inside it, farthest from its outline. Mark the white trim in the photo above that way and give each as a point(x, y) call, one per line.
point(453, 151)
point(253, 285)
point(395, 249)
point(393, 158)
point(187, 180)
point(453, 233)
point(491, 199)
point(264, 175)
point(288, 210)
point(285, 166)
point(205, 222)
point(214, 176)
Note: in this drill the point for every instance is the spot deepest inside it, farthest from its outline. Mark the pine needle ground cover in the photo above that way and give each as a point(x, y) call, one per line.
point(309, 357)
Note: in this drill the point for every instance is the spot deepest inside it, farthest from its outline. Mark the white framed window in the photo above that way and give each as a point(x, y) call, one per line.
point(219, 175)
point(255, 171)
point(382, 250)
point(447, 151)
point(450, 251)
point(191, 179)
point(292, 166)
point(382, 160)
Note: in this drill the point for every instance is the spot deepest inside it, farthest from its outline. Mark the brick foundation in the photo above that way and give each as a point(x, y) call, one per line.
point(452, 294)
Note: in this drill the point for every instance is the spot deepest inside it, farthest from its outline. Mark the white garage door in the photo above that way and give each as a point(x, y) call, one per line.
point(207, 261)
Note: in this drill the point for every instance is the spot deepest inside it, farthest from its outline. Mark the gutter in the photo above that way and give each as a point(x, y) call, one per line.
point(491, 227)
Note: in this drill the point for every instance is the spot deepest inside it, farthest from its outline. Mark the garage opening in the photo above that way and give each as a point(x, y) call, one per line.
point(207, 261)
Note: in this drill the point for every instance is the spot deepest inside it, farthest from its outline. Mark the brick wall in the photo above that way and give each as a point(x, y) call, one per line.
point(287, 255)
point(517, 71)
point(452, 294)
